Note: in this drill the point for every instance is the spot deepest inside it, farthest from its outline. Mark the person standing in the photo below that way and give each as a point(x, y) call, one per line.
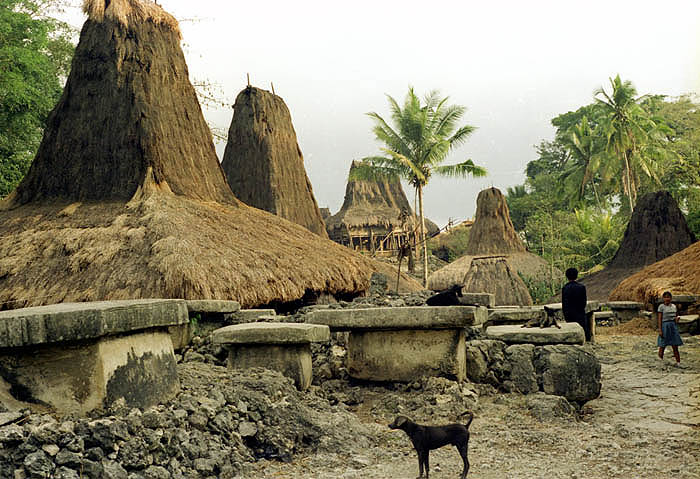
point(667, 316)
point(573, 302)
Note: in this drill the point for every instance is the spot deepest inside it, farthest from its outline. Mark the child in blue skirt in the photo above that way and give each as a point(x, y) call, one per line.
point(668, 331)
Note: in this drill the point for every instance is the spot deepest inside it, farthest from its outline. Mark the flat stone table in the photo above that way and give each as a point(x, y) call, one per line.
point(283, 347)
point(625, 310)
point(202, 311)
point(403, 344)
point(76, 357)
point(570, 333)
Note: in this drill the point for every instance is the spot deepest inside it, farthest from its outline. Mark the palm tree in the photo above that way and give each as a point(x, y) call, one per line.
point(633, 138)
point(421, 138)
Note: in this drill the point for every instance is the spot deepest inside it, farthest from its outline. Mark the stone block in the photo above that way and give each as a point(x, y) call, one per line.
point(207, 306)
point(283, 347)
point(568, 371)
point(64, 322)
point(517, 315)
point(406, 355)
point(478, 299)
point(569, 333)
point(410, 317)
point(522, 371)
point(80, 377)
point(689, 323)
point(251, 315)
point(615, 305)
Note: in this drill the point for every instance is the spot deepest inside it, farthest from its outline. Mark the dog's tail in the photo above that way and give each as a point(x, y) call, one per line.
point(471, 418)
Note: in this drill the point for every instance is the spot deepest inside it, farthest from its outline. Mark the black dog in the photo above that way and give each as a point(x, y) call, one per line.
point(425, 438)
point(447, 297)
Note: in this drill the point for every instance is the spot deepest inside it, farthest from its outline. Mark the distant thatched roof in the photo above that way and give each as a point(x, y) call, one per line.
point(126, 199)
point(656, 230)
point(374, 203)
point(493, 234)
point(263, 162)
point(493, 274)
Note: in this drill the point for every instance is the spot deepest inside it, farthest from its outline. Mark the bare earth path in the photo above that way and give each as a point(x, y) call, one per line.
point(646, 424)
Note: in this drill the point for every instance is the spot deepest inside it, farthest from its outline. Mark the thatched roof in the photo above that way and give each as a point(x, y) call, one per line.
point(493, 231)
point(126, 199)
point(656, 230)
point(493, 274)
point(374, 203)
point(263, 162)
point(493, 234)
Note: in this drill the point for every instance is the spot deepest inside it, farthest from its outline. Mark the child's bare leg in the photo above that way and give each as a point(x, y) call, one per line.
point(676, 354)
point(661, 353)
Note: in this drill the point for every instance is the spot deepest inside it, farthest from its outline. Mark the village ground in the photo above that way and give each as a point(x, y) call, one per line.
point(645, 424)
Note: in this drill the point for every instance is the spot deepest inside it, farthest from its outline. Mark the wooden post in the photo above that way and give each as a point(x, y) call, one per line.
point(273, 87)
point(248, 76)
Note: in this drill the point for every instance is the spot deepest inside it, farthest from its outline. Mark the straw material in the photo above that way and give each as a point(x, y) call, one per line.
point(679, 274)
point(373, 204)
point(263, 162)
point(126, 199)
point(129, 13)
point(493, 274)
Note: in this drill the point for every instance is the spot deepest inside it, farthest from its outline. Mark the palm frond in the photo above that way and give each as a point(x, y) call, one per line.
point(461, 170)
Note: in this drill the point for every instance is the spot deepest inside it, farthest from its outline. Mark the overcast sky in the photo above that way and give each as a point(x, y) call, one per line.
point(513, 64)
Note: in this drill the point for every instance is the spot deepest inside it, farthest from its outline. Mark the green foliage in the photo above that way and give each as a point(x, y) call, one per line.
point(194, 323)
point(448, 247)
point(540, 290)
point(35, 54)
point(422, 136)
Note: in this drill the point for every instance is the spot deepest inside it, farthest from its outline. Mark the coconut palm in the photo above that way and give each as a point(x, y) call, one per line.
point(633, 138)
point(422, 136)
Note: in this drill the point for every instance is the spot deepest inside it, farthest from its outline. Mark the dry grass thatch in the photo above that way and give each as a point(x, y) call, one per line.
point(636, 327)
point(129, 12)
point(373, 203)
point(263, 162)
point(679, 274)
point(493, 274)
point(493, 231)
point(139, 207)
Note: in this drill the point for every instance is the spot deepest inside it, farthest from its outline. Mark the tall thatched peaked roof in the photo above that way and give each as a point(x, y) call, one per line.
point(493, 274)
point(493, 234)
point(263, 161)
point(126, 199)
point(373, 203)
point(656, 230)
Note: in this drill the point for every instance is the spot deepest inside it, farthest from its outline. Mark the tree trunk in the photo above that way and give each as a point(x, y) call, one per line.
point(422, 237)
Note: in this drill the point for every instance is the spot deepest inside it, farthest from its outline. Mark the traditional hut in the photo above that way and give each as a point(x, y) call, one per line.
point(263, 162)
point(638, 272)
point(126, 198)
point(493, 274)
point(375, 216)
point(493, 234)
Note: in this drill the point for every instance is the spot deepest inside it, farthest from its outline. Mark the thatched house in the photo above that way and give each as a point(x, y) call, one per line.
point(656, 231)
point(375, 216)
point(263, 162)
point(126, 198)
point(493, 274)
point(493, 234)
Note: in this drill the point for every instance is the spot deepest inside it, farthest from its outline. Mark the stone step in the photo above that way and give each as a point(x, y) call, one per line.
point(271, 333)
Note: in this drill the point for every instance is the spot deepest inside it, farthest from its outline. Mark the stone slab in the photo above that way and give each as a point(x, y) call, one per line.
point(624, 305)
point(478, 299)
point(78, 378)
point(271, 333)
point(406, 355)
point(499, 316)
point(410, 317)
point(207, 306)
point(292, 360)
point(591, 306)
point(603, 315)
point(689, 323)
point(570, 333)
point(679, 298)
point(251, 315)
point(80, 321)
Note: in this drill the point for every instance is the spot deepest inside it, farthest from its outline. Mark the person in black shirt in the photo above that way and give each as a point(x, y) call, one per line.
point(573, 302)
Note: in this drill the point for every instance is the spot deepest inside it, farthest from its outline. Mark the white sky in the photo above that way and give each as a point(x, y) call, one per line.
point(513, 64)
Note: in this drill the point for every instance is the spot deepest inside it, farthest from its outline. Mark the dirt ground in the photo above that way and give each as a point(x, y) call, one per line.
point(645, 424)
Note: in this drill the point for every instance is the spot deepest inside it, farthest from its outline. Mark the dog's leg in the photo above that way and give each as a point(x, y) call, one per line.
point(427, 463)
point(462, 448)
point(421, 455)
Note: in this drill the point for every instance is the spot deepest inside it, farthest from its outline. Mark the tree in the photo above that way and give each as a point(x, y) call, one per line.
point(35, 54)
point(420, 140)
point(632, 136)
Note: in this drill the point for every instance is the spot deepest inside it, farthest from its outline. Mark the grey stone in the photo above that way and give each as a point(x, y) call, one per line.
point(156, 472)
point(206, 306)
point(8, 417)
point(569, 333)
point(478, 299)
point(522, 370)
point(410, 318)
point(569, 371)
point(65, 473)
point(378, 283)
point(68, 458)
point(247, 429)
point(11, 433)
point(79, 321)
point(271, 333)
point(623, 305)
point(50, 449)
point(514, 315)
point(251, 315)
point(545, 407)
point(688, 323)
point(38, 465)
point(483, 356)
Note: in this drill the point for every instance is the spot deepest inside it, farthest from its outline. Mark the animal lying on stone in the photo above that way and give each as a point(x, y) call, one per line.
point(425, 438)
point(448, 297)
point(546, 320)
